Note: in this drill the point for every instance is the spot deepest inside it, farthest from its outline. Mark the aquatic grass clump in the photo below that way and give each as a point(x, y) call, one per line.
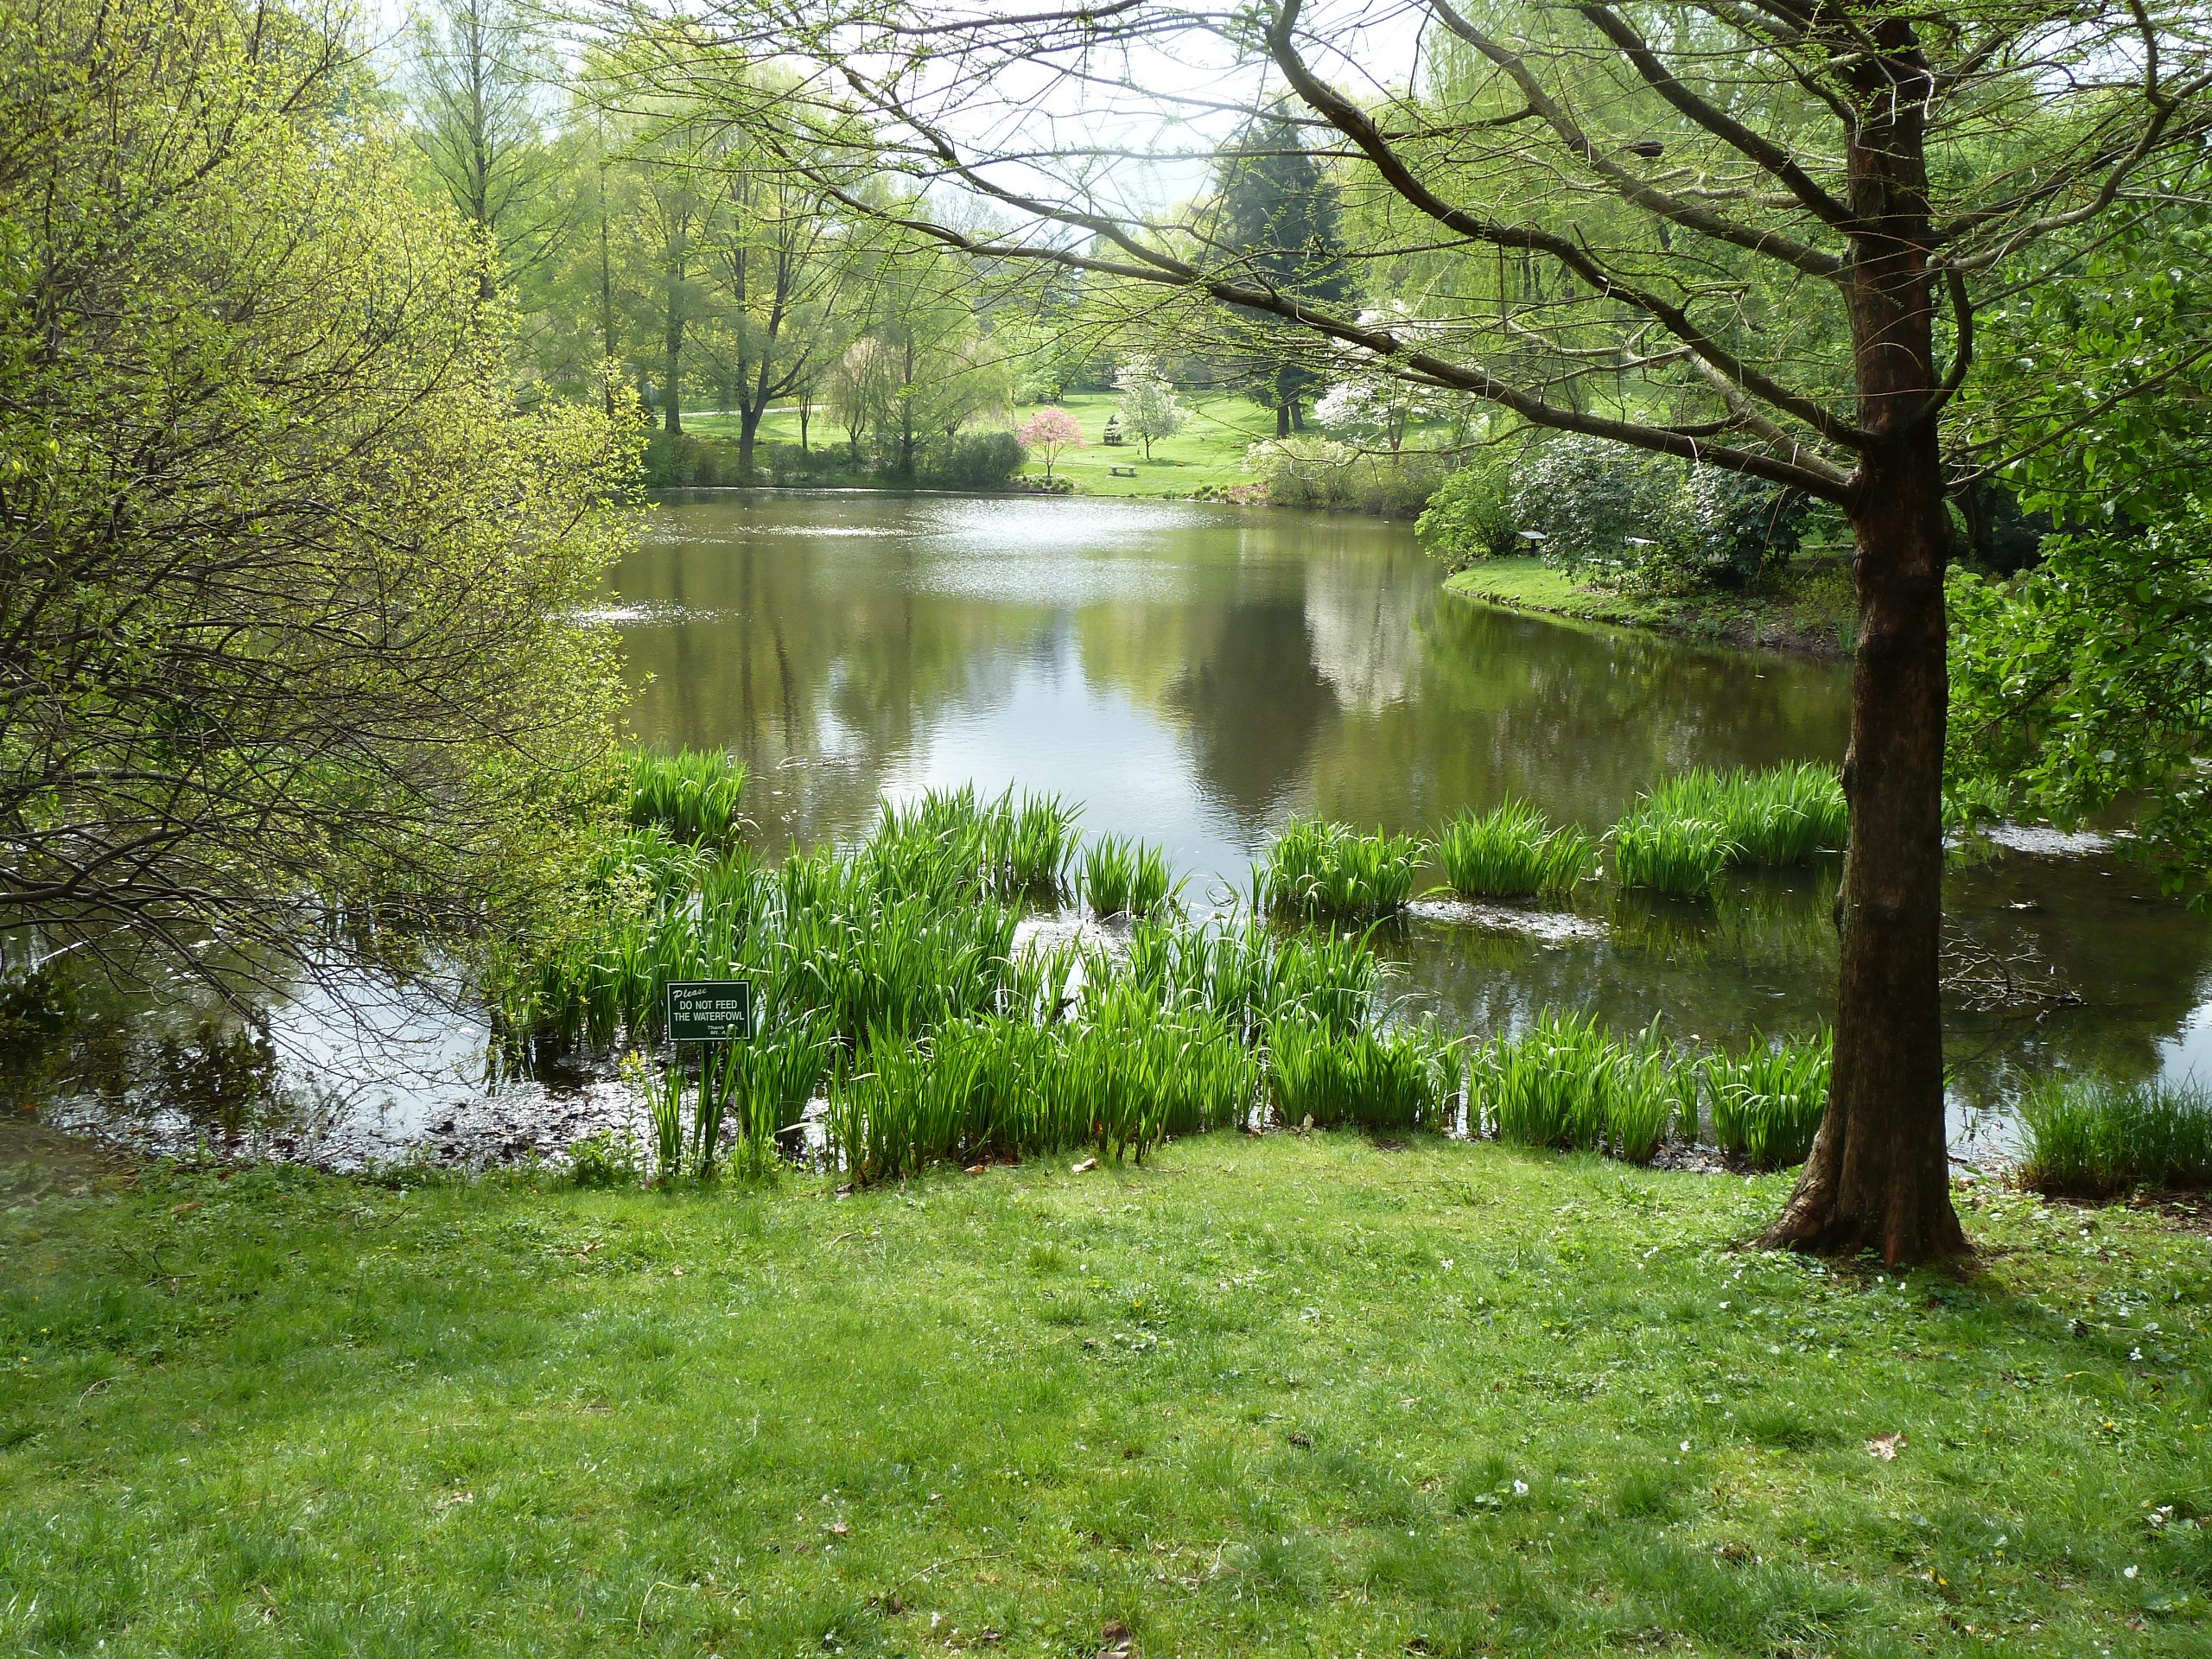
point(1122, 1079)
point(2088, 1137)
point(1317, 869)
point(1566, 1083)
point(1647, 1094)
point(760, 1088)
point(691, 794)
point(1776, 816)
point(1548, 1086)
point(1252, 974)
point(896, 967)
point(950, 844)
point(1513, 852)
point(1319, 1078)
point(1122, 877)
point(1173, 1071)
point(648, 864)
point(1029, 842)
point(1682, 857)
point(1767, 1103)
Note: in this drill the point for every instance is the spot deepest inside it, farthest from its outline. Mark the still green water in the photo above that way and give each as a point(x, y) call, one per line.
point(1195, 674)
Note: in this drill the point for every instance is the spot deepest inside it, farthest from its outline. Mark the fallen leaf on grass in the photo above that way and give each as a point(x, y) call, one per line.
point(186, 1208)
point(1886, 1447)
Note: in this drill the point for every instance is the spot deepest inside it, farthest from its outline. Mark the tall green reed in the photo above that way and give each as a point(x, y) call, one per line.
point(1766, 1102)
point(1122, 877)
point(2091, 1136)
point(691, 795)
point(1777, 815)
point(760, 1088)
point(1123, 1077)
point(1679, 856)
point(1566, 1083)
point(1404, 1078)
point(1316, 868)
point(1513, 852)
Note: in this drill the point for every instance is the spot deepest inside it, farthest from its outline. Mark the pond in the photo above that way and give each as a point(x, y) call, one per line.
point(1196, 675)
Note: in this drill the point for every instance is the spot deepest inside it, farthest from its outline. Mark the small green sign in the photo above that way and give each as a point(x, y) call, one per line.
point(710, 1010)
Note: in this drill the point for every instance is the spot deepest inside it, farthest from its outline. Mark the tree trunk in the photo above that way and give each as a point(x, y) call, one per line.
point(748, 426)
point(805, 414)
point(605, 301)
point(672, 363)
point(1282, 420)
point(1879, 1174)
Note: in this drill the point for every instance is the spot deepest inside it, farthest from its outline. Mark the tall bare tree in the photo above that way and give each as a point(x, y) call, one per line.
point(479, 76)
point(1753, 234)
point(785, 267)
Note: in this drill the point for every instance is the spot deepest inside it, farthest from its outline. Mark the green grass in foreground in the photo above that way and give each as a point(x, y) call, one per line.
point(1288, 1395)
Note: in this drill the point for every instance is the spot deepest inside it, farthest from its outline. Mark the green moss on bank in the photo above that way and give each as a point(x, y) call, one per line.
point(1285, 1395)
point(1807, 607)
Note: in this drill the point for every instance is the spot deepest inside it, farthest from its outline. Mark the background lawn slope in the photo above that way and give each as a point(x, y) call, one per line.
point(1288, 1395)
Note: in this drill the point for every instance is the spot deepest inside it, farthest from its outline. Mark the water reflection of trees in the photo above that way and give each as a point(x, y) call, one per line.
point(1252, 707)
point(820, 660)
point(1759, 957)
point(1304, 662)
point(1576, 721)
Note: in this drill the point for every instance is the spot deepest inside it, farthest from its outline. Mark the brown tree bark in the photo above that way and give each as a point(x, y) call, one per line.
point(1879, 1175)
point(672, 361)
point(748, 435)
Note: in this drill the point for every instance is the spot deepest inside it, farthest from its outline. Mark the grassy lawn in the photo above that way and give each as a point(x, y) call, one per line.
point(1284, 1395)
point(1808, 606)
point(1208, 451)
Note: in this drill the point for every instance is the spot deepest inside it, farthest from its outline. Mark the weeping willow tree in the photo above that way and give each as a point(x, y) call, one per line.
point(287, 587)
point(1754, 235)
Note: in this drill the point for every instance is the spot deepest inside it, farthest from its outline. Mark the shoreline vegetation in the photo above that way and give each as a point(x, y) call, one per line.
point(895, 993)
point(1806, 608)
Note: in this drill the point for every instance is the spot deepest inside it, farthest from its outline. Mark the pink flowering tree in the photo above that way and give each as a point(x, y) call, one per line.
point(1050, 430)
